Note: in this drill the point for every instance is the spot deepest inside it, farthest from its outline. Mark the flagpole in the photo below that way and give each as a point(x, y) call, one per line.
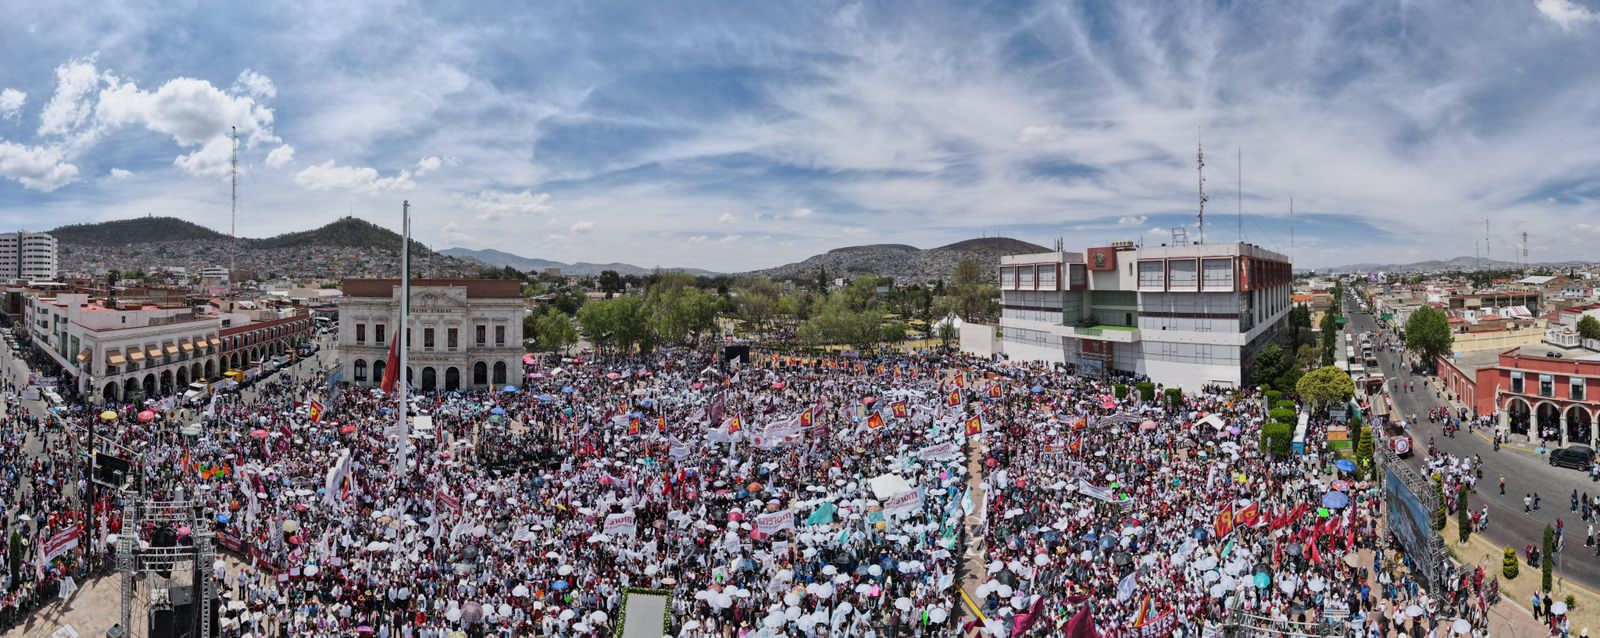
point(401, 333)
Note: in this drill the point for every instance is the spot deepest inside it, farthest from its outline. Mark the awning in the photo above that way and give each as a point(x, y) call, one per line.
point(155, 353)
point(114, 359)
point(136, 355)
point(215, 342)
point(172, 349)
point(186, 346)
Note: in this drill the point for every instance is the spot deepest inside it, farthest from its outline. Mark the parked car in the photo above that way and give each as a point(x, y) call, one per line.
point(1576, 457)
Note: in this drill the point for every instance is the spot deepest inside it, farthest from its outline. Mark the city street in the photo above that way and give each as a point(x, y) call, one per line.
point(1525, 472)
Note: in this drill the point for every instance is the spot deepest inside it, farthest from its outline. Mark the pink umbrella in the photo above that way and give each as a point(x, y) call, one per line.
point(147, 416)
point(258, 434)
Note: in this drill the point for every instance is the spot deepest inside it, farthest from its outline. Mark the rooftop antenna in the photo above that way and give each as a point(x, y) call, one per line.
point(1200, 167)
point(233, 225)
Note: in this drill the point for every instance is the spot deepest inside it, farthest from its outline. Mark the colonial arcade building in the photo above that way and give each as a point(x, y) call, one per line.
point(465, 333)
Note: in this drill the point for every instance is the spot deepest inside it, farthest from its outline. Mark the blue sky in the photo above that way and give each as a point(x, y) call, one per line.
point(730, 136)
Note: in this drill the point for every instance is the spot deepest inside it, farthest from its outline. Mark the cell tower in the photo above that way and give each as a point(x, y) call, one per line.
point(1200, 166)
point(233, 225)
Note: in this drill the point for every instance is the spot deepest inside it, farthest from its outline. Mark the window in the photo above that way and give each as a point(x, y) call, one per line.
point(481, 338)
point(1516, 382)
point(1181, 273)
point(499, 336)
point(1217, 274)
point(450, 338)
point(1547, 385)
point(361, 370)
point(361, 333)
point(1575, 389)
point(427, 338)
point(1151, 274)
point(378, 335)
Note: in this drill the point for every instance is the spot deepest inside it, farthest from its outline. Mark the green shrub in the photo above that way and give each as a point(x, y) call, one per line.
point(1119, 390)
point(1147, 391)
point(1508, 567)
point(1276, 438)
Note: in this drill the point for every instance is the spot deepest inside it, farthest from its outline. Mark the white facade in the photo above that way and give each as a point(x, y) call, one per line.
point(1185, 316)
point(465, 334)
point(124, 354)
point(28, 256)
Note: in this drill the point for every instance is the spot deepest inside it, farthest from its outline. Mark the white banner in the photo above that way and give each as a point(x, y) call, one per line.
point(937, 451)
point(774, 522)
point(907, 502)
point(619, 524)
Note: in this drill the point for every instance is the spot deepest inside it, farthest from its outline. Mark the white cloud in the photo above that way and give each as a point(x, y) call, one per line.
point(1566, 13)
point(1133, 220)
point(37, 168)
point(428, 164)
point(121, 173)
point(581, 228)
point(331, 176)
point(11, 101)
point(280, 156)
point(800, 213)
point(497, 205)
point(725, 218)
point(69, 109)
point(256, 84)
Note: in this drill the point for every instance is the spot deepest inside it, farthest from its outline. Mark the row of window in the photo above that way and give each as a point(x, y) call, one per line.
point(451, 336)
point(1547, 386)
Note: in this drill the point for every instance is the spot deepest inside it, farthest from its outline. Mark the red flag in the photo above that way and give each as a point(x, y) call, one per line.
point(391, 368)
point(875, 421)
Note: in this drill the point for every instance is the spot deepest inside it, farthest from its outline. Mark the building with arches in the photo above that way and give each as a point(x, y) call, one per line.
point(1531, 390)
point(124, 350)
point(465, 333)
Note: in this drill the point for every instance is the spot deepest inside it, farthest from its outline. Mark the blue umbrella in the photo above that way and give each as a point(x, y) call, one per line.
point(1345, 465)
point(509, 388)
point(1335, 500)
point(498, 410)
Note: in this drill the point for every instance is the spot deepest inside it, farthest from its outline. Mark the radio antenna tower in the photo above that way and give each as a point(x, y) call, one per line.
point(233, 226)
point(1200, 167)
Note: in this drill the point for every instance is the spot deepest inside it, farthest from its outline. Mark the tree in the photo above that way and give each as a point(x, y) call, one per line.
point(1589, 327)
point(1463, 515)
point(1324, 386)
point(1548, 557)
point(610, 282)
point(1428, 334)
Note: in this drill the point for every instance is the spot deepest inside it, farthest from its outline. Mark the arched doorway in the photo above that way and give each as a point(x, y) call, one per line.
point(377, 370)
point(480, 374)
point(452, 378)
point(1579, 426)
point(499, 372)
point(110, 393)
point(430, 379)
point(1548, 419)
point(1518, 415)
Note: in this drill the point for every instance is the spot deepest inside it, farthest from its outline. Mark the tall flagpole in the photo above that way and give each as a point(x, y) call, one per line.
point(401, 332)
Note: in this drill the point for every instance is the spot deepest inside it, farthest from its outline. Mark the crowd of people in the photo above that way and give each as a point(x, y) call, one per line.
point(784, 495)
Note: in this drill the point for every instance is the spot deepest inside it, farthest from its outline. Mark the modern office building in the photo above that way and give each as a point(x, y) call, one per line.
point(27, 256)
point(465, 333)
point(124, 351)
point(1185, 316)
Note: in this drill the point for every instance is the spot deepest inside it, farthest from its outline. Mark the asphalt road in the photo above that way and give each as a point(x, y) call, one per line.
point(1524, 471)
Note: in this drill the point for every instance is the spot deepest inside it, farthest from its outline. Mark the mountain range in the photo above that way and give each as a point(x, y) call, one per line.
point(501, 259)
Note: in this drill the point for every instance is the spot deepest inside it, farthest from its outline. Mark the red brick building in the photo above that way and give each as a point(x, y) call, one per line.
point(1530, 391)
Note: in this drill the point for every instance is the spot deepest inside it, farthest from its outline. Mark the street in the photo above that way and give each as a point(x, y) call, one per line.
point(1524, 471)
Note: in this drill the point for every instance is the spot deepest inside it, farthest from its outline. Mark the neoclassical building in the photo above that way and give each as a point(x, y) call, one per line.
point(465, 333)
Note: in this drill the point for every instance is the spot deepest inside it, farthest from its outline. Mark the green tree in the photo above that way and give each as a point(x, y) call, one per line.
point(1589, 327)
point(1324, 386)
point(1547, 557)
point(610, 282)
point(1428, 334)
point(1463, 515)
